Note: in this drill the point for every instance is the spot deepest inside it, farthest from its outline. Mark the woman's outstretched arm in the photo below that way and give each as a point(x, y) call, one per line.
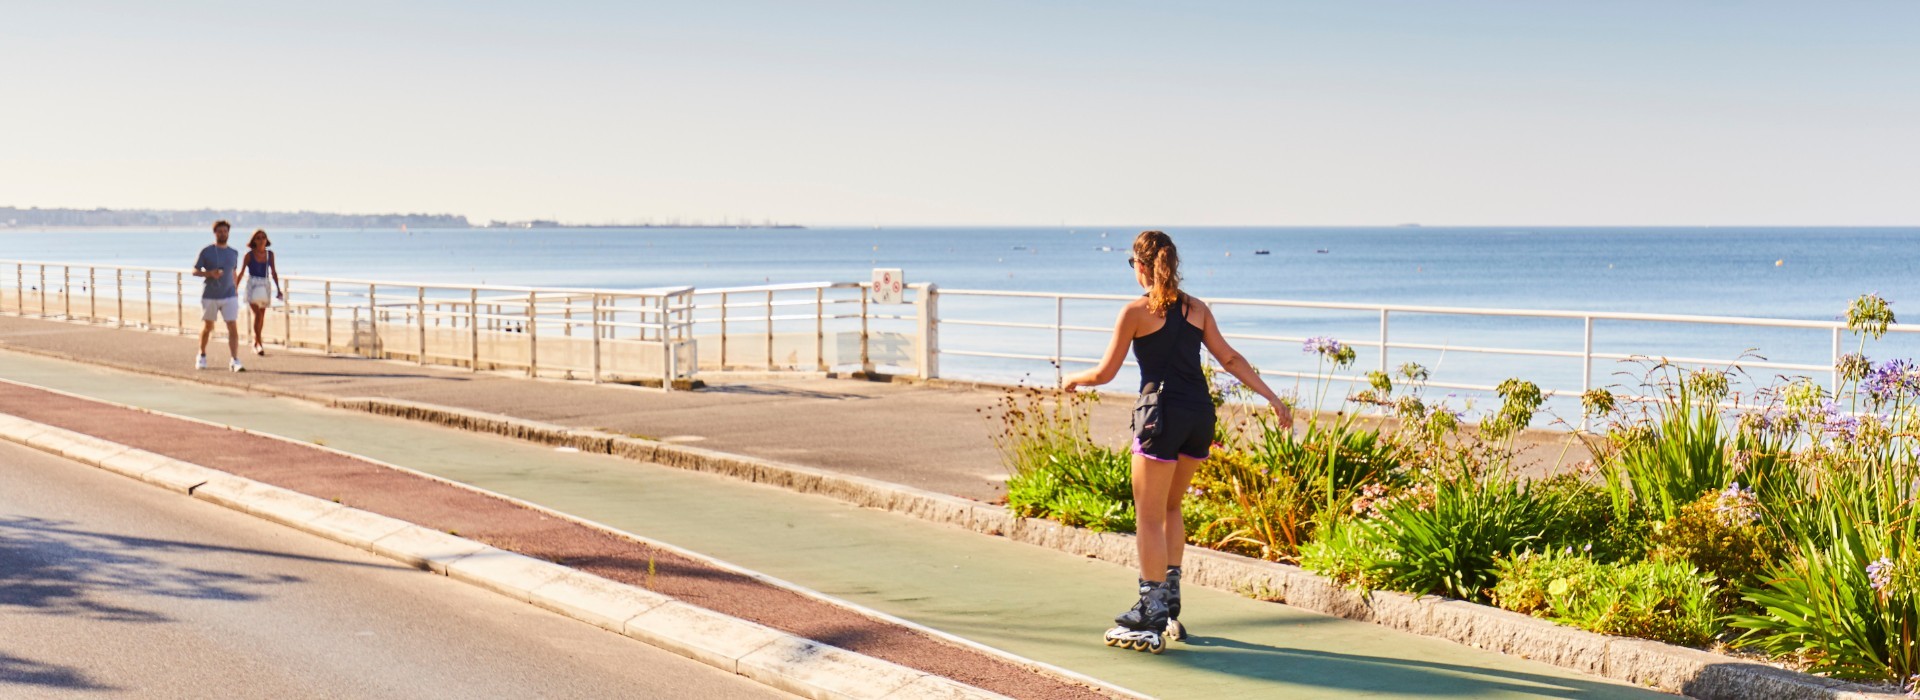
point(1110, 363)
point(1237, 365)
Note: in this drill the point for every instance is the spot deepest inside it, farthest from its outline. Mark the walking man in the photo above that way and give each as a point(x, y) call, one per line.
point(219, 265)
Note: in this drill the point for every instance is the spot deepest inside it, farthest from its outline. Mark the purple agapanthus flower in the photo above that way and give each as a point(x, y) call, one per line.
point(1892, 380)
point(1738, 506)
point(1880, 574)
point(1223, 382)
point(1322, 345)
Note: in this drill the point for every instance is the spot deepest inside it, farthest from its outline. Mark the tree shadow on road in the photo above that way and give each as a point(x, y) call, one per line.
point(52, 567)
point(15, 670)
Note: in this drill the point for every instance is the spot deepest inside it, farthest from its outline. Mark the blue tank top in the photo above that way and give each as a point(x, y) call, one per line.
point(257, 268)
point(1171, 357)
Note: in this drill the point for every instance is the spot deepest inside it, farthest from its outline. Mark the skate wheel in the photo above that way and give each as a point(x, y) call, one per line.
point(1111, 641)
point(1139, 645)
point(1156, 646)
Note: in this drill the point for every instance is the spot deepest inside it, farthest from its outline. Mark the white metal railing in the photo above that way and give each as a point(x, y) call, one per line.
point(670, 334)
point(1061, 324)
point(600, 334)
point(815, 326)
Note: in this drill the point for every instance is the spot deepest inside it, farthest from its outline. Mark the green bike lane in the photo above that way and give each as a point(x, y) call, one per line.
point(1027, 600)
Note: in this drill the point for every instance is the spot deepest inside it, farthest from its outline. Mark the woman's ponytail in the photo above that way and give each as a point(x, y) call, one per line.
point(1155, 251)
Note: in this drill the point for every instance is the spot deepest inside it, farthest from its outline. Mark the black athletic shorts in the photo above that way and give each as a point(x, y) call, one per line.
point(1184, 432)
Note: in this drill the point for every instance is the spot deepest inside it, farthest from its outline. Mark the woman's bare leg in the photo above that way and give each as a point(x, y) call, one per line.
point(1151, 479)
point(259, 322)
point(1176, 527)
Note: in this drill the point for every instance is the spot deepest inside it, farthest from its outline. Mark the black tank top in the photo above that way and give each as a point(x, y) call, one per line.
point(1171, 356)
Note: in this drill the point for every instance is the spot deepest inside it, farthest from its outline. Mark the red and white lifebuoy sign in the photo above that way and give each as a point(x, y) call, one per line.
point(888, 286)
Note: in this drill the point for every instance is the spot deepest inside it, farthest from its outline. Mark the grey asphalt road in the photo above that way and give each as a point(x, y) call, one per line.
point(113, 588)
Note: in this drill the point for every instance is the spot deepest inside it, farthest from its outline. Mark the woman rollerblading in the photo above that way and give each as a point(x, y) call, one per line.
point(1173, 425)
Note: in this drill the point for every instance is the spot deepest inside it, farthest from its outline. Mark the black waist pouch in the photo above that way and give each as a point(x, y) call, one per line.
point(1147, 414)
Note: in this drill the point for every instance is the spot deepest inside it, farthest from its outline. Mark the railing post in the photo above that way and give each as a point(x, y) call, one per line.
point(119, 299)
point(866, 359)
point(566, 329)
point(179, 301)
point(373, 323)
point(473, 329)
point(769, 330)
point(820, 328)
point(43, 291)
point(1059, 340)
point(1383, 341)
point(326, 311)
point(286, 315)
point(928, 319)
point(420, 315)
point(723, 331)
point(149, 287)
point(596, 338)
point(1586, 358)
point(667, 358)
point(93, 297)
point(66, 291)
point(1836, 361)
point(533, 335)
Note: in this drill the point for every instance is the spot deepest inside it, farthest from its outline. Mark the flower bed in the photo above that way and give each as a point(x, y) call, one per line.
point(1781, 521)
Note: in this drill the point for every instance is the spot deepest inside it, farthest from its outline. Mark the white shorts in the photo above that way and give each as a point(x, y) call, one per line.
point(259, 291)
point(215, 309)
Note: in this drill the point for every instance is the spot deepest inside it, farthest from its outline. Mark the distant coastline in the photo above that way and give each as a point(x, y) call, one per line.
point(57, 218)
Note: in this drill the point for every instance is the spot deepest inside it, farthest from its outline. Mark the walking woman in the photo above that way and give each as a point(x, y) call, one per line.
point(262, 278)
point(1173, 426)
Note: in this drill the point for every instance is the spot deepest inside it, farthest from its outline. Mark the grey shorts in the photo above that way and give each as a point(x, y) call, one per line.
point(215, 309)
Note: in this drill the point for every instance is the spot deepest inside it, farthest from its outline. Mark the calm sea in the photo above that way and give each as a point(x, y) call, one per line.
point(1797, 273)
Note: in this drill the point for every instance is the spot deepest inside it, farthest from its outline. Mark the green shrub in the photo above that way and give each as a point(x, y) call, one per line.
point(1088, 488)
point(1056, 469)
point(1585, 519)
point(1444, 544)
point(1721, 535)
point(1275, 495)
point(1660, 600)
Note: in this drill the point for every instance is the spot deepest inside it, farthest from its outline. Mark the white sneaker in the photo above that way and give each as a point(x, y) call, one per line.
point(234, 364)
point(200, 362)
point(259, 350)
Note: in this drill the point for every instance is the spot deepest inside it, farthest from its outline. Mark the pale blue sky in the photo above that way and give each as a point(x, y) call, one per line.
point(978, 112)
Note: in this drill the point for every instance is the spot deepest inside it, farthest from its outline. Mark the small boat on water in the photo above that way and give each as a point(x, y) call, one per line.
point(1322, 250)
point(1262, 251)
point(1105, 249)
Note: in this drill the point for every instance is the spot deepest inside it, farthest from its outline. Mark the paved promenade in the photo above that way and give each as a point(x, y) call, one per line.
point(1031, 601)
point(926, 437)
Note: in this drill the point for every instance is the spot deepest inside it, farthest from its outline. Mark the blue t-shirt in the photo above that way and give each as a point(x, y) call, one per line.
point(226, 260)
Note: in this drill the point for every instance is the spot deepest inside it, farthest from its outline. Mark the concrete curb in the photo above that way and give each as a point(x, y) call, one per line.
point(775, 658)
point(1666, 667)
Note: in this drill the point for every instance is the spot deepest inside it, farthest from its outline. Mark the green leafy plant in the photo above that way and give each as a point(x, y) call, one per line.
point(1721, 535)
point(1661, 600)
